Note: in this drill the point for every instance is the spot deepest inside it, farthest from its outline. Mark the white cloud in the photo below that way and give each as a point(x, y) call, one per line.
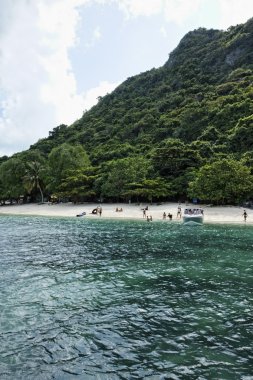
point(37, 83)
point(20, 76)
point(179, 11)
point(96, 35)
point(135, 8)
point(91, 96)
point(173, 10)
point(232, 12)
point(235, 12)
point(163, 32)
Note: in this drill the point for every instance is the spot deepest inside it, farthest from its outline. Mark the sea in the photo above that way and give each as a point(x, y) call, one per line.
point(107, 299)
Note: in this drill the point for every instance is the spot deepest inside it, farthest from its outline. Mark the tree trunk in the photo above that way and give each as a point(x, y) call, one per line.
point(41, 193)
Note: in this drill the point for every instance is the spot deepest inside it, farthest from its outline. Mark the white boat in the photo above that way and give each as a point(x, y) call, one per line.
point(193, 215)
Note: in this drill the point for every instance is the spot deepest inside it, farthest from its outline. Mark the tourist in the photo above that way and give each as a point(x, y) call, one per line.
point(245, 215)
point(170, 216)
point(164, 215)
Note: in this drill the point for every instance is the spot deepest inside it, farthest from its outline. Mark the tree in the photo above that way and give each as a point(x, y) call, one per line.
point(11, 178)
point(149, 189)
point(33, 177)
point(223, 181)
point(120, 173)
point(78, 185)
point(241, 138)
point(62, 160)
point(172, 157)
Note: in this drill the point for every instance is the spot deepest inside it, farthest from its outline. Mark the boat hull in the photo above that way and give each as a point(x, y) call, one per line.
point(193, 219)
point(193, 215)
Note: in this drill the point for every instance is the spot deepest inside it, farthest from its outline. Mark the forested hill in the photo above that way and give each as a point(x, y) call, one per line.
point(169, 125)
point(201, 94)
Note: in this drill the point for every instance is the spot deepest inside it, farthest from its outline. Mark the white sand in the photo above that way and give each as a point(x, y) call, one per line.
point(228, 214)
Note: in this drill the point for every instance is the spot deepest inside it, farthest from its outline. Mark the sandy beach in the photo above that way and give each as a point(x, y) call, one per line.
point(219, 214)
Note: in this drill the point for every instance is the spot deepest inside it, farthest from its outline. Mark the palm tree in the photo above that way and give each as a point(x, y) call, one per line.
point(32, 178)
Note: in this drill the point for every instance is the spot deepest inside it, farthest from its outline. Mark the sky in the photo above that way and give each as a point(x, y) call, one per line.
point(58, 56)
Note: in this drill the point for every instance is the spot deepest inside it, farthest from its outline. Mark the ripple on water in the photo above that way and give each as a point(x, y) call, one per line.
point(124, 300)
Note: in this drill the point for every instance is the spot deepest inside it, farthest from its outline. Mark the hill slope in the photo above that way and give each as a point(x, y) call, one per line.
point(206, 85)
point(195, 109)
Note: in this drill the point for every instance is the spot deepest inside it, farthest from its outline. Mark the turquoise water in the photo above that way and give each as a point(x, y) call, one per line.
point(100, 299)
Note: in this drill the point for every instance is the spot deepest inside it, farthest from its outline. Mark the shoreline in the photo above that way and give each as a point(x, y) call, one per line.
point(214, 214)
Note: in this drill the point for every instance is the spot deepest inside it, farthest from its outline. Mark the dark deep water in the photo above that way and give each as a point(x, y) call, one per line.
point(102, 299)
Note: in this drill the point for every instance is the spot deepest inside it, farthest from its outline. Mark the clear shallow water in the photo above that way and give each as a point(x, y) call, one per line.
point(100, 299)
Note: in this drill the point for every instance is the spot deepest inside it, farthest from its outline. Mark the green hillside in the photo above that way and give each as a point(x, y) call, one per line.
point(180, 131)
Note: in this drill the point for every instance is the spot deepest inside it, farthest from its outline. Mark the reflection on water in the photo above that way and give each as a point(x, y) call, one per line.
point(96, 299)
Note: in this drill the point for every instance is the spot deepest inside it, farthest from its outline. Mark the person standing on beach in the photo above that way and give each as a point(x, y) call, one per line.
point(245, 215)
point(179, 211)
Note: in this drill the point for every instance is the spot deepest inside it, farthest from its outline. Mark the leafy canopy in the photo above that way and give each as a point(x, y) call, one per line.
point(222, 181)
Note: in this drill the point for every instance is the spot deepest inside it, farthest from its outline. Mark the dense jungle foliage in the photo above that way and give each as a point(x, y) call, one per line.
point(184, 130)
